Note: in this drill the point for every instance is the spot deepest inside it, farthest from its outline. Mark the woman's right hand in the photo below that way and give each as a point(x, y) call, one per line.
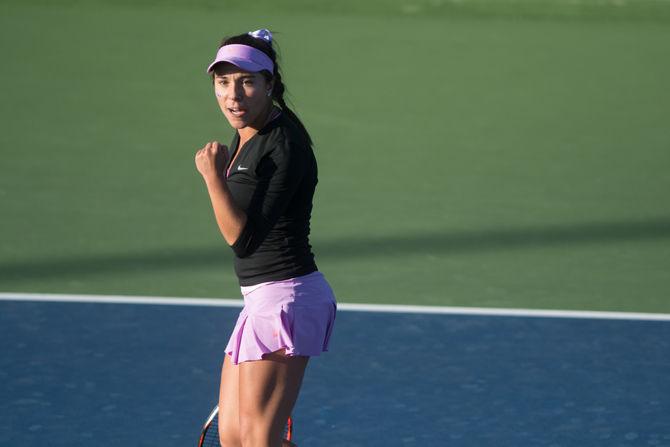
point(211, 160)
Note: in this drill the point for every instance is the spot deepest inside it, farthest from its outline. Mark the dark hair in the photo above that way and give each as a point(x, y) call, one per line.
point(278, 88)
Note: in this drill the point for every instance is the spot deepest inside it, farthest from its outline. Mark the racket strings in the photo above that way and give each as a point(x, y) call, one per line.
point(210, 435)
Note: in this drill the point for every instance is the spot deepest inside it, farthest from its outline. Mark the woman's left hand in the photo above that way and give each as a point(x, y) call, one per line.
point(211, 160)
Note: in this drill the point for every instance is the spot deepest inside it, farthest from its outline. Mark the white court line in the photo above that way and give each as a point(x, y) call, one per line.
point(388, 308)
point(121, 299)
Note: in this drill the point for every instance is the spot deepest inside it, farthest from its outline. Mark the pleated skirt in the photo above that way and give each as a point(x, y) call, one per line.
point(295, 314)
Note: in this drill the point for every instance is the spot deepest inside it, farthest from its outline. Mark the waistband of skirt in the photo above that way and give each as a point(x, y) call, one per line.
point(313, 276)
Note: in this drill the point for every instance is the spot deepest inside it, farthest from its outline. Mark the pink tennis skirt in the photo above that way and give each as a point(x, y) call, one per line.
point(295, 314)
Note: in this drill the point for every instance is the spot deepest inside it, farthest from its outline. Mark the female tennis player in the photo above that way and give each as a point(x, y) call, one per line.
point(261, 190)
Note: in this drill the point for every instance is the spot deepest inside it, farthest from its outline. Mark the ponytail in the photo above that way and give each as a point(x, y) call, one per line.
point(278, 95)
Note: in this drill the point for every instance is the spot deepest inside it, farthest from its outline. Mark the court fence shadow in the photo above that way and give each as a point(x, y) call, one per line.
point(447, 243)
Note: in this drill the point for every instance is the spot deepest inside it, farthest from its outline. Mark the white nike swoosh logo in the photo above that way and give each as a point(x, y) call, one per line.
point(240, 168)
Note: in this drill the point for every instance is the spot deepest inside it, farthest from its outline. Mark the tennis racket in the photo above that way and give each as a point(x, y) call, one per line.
point(210, 431)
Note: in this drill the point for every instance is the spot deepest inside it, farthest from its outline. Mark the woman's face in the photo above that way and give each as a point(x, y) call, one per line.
point(242, 96)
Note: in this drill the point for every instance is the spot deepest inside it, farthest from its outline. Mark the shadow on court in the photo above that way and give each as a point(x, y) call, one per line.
point(450, 243)
point(146, 375)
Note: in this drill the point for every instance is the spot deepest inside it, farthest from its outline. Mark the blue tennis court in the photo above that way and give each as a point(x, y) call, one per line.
point(82, 374)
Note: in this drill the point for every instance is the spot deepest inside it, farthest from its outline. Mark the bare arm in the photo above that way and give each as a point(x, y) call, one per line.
point(211, 161)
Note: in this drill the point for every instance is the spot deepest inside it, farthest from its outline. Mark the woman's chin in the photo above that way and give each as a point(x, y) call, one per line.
point(237, 123)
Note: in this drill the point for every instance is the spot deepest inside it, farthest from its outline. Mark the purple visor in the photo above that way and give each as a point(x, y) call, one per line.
point(243, 56)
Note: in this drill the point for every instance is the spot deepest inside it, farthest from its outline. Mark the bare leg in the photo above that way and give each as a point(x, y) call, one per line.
point(229, 409)
point(268, 391)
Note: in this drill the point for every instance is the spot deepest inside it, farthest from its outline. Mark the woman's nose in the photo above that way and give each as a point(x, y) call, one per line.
point(235, 91)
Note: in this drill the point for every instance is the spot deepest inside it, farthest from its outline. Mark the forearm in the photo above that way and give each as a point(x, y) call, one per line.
point(229, 217)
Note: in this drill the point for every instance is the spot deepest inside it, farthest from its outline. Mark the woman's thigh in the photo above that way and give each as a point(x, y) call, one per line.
point(229, 408)
point(268, 391)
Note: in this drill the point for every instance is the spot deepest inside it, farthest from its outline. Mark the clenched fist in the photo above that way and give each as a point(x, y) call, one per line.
point(211, 160)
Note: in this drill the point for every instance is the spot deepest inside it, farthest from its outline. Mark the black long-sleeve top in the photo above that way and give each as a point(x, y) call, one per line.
point(273, 180)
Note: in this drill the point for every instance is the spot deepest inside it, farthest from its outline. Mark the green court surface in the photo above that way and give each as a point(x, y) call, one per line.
point(509, 154)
